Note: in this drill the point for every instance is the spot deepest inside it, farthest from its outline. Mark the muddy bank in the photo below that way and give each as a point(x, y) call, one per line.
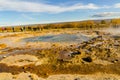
point(47, 70)
point(30, 76)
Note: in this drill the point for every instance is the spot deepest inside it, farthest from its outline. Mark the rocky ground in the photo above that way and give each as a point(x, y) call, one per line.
point(96, 59)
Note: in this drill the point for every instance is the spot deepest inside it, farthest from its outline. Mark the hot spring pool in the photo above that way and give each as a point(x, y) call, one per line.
point(78, 37)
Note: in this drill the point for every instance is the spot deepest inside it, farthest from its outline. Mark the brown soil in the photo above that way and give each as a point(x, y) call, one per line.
point(47, 70)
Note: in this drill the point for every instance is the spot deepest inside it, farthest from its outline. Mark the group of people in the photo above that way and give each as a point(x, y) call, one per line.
point(13, 29)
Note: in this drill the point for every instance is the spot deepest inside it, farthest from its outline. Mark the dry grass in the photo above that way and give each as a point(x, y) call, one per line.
point(3, 46)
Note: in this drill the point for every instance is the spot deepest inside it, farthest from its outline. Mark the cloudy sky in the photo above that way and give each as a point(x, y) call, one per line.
point(20, 12)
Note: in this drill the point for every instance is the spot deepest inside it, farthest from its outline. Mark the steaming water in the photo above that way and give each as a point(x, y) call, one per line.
point(59, 38)
point(115, 32)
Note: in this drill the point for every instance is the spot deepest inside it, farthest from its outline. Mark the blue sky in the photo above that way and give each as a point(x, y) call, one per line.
point(20, 12)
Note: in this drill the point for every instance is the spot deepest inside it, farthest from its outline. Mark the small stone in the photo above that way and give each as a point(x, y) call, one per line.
point(29, 76)
point(115, 61)
point(77, 79)
point(87, 59)
point(14, 77)
point(4, 56)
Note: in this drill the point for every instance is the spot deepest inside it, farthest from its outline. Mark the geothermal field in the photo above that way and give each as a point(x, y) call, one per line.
point(60, 54)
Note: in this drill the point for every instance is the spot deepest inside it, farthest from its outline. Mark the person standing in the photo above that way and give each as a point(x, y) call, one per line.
point(13, 29)
point(3, 29)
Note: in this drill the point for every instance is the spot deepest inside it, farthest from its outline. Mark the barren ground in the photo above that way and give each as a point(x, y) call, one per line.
point(96, 59)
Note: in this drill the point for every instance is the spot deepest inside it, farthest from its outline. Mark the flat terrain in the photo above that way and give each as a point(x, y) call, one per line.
point(96, 58)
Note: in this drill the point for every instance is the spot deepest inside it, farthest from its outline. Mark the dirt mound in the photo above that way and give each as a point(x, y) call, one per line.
point(19, 60)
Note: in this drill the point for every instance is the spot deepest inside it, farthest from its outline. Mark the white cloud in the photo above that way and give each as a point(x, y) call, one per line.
point(106, 14)
point(27, 6)
point(117, 5)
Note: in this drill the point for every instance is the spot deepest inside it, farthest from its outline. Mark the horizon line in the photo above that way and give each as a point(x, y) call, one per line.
point(27, 24)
